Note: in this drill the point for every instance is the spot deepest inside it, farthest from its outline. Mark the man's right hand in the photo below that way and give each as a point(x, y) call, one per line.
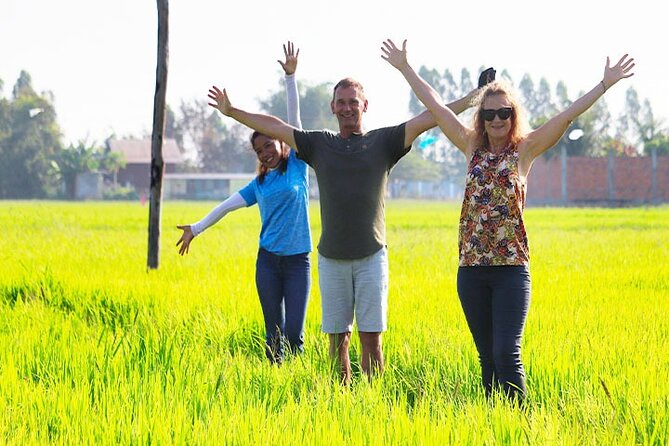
point(486, 76)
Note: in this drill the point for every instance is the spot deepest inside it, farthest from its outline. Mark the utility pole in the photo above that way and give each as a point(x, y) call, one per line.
point(157, 164)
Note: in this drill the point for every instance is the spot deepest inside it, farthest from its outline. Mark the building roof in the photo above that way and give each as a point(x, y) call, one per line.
point(138, 151)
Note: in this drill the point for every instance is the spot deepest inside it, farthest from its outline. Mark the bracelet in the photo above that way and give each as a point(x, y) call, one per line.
point(602, 82)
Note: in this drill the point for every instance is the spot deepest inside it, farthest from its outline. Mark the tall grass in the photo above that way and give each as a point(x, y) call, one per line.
point(95, 349)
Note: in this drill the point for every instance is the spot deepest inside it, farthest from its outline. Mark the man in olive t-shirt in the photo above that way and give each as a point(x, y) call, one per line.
point(352, 169)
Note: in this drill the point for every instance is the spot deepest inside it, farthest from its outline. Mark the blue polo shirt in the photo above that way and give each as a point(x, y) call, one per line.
point(283, 200)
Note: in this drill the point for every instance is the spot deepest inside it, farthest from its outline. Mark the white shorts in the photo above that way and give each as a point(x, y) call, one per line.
point(354, 287)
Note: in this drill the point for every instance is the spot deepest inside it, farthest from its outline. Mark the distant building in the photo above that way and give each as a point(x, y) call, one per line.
point(203, 186)
point(137, 156)
point(88, 186)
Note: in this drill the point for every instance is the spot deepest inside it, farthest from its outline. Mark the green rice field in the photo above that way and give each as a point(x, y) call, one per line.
point(95, 349)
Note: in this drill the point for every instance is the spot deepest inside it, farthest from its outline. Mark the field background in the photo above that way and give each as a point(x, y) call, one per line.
point(96, 350)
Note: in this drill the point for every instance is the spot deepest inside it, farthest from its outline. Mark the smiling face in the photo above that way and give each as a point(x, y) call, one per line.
point(498, 129)
point(348, 105)
point(267, 150)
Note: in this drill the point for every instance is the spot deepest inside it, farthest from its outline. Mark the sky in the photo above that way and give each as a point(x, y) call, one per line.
point(98, 58)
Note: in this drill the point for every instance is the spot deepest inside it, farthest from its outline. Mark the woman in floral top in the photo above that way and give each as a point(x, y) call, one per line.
point(493, 275)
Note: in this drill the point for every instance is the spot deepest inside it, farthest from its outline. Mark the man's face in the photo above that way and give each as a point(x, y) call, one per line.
point(348, 106)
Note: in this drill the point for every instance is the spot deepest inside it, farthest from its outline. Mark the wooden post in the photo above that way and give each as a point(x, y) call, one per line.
point(157, 165)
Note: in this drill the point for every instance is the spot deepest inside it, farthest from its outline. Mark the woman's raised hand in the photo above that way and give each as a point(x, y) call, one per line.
point(621, 70)
point(290, 65)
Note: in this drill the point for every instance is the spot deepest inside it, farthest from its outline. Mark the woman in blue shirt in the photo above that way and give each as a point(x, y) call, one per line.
point(281, 190)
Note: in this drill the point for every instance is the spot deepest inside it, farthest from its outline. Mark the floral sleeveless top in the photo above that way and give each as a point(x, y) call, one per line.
point(492, 231)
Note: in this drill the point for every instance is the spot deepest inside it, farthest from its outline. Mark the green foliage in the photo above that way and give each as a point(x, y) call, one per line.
point(635, 126)
point(29, 137)
point(74, 160)
point(95, 350)
point(83, 158)
point(660, 143)
point(217, 146)
point(23, 86)
point(638, 124)
point(120, 193)
point(173, 128)
point(315, 112)
point(434, 146)
point(414, 167)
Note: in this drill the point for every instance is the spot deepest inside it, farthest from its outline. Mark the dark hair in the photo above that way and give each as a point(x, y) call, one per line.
point(261, 169)
point(346, 83)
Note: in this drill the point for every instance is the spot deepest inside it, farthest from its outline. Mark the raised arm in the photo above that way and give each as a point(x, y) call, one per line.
point(425, 121)
point(292, 95)
point(547, 135)
point(444, 116)
point(265, 124)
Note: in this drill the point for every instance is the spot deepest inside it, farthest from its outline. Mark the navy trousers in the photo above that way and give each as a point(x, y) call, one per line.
point(495, 300)
point(283, 284)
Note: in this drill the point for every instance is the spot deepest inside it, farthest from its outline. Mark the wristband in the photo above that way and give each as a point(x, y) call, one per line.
point(603, 85)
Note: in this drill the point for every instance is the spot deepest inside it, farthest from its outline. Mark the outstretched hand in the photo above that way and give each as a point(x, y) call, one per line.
point(290, 65)
point(621, 70)
point(221, 101)
point(393, 55)
point(186, 237)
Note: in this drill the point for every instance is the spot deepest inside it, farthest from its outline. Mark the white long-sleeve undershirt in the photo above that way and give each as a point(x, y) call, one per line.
point(236, 201)
point(233, 202)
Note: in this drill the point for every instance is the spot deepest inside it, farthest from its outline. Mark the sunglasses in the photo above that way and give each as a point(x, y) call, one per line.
point(503, 113)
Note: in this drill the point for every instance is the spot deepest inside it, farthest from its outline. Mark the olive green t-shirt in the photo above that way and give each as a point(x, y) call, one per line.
point(352, 175)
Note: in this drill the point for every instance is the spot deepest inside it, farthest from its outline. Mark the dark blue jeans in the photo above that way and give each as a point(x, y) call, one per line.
point(496, 300)
point(283, 284)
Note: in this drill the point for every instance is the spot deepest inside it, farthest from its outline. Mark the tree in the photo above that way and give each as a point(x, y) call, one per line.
point(83, 158)
point(172, 128)
point(23, 86)
point(74, 160)
point(444, 84)
point(212, 145)
point(225, 149)
point(660, 143)
point(595, 124)
point(529, 100)
point(110, 163)
point(640, 119)
point(314, 105)
point(432, 144)
point(545, 107)
point(29, 138)
point(541, 106)
point(414, 167)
